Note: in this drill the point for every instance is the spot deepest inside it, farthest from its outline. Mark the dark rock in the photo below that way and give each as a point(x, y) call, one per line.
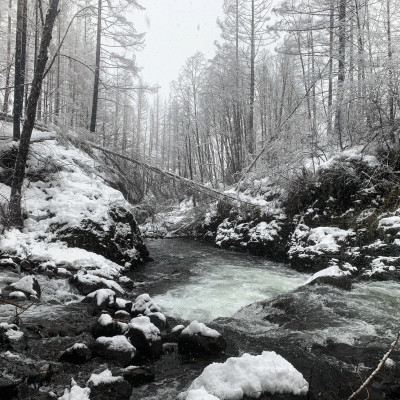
point(8, 389)
point(106, 326)
point(145, 336)
point(201, 345)
point(79, 353)
point(117, 348)
point(174, 334)
point(158, 319)
point(169, 348)
point(137, 376)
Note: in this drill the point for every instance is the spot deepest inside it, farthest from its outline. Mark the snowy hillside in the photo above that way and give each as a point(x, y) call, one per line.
point(73, 219)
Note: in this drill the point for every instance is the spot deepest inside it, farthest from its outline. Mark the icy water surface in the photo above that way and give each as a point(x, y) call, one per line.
point(192, 280)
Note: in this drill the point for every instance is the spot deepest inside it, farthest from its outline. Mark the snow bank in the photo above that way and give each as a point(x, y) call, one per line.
point(247, 376)
point(196, 328)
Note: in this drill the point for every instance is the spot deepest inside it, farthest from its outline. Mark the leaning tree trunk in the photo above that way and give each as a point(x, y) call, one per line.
point(15, 217)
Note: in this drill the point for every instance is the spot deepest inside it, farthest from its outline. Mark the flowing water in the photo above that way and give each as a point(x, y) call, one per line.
point(192, 280)
point(261, 305)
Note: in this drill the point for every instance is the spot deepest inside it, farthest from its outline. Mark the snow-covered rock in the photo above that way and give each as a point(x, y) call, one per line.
point(99, 300)
point(106, 326)
point(117, 348)
point(247, 376)
point(314, 248)
point(198, 339)
point(79, 353)
point(106, 386)
point(88, 283)
point(145, 336)
point(332, 275)
point(144, 305)
point(28, 285)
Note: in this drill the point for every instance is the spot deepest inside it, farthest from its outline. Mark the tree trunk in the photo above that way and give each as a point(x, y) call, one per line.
point(330, 78)
point(97, 71)
point(251, 145)
point(9, 62)
point(339, 125)
point(15, 217)
point(390, 74)
point(19, 70)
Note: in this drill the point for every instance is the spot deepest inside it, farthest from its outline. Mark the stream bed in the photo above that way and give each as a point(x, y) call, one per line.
point(333, 337)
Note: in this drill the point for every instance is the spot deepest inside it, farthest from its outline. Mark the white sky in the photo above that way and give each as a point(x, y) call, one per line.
point(175, 30)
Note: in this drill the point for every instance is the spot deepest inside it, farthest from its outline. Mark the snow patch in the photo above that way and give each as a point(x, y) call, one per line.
point(103, 377)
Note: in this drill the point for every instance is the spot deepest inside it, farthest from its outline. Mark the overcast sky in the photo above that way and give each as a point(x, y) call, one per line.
point(175, 30)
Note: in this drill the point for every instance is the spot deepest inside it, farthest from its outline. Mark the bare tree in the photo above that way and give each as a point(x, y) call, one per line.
point(20, 163)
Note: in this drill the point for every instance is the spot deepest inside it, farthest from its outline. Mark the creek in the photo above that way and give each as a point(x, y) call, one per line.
point(330, 335)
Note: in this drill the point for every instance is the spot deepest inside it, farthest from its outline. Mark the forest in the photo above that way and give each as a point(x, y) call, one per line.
point(293, 80)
